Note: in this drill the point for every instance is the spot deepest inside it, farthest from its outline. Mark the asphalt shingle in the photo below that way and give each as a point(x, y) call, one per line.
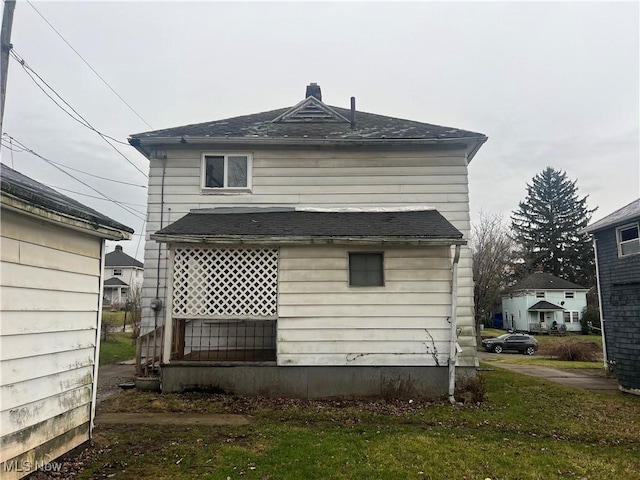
point(426, 224)
point(26, 189)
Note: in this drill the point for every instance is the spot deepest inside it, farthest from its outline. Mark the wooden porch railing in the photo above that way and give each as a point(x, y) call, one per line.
point(149, 349)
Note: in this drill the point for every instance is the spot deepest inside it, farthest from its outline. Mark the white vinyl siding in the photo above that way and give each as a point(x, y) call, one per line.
point(324, 321)
point(323, 178)
point(50, 279)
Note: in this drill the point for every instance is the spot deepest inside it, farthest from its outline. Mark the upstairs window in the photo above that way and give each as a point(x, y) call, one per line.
point(366, 269)
point(569, 294)
point(628, 240)
point(226, 171)
point(117, 272)
point(540, 295)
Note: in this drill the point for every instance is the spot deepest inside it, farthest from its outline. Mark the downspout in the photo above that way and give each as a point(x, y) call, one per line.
point(453, 347)
point(164, 171)
point(604, 343)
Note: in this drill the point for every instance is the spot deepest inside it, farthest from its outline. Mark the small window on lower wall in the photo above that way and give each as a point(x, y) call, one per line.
point(366, 269)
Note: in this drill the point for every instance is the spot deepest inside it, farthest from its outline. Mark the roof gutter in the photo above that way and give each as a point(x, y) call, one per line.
point(140, 142)
point(296, 240)
point(135, 143)
point(74, 223)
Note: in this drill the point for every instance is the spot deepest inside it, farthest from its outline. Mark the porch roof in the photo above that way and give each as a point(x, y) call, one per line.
point(115, 282)
point(543, 306)
point(289, 225)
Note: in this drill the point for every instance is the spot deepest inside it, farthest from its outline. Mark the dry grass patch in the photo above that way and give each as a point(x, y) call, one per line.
point(572, 350)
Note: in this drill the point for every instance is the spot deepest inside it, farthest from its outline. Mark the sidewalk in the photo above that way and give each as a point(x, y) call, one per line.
point(574, 378)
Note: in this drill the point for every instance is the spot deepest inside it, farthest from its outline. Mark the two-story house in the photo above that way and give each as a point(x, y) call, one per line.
point(310, 251)
point(123, 273)
point(542, 302)
point(616, 242)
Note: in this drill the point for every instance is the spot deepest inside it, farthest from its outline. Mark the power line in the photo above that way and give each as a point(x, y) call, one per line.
point(81, 122)
point(99, 198)
point(88, 65)
point(98, 176)
point(10, 147)
point(28, 69)
point(50, 162)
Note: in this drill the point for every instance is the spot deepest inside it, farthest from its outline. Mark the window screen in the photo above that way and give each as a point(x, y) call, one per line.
point(366, 269)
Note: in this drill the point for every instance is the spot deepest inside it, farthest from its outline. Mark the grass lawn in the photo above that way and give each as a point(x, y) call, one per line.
point(526, 429)
point(117, 348)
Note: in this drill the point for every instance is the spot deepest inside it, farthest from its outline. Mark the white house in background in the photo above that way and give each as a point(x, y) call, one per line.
point(310, 251)
point(51, 274)
point(122, 273)
point(543, 302)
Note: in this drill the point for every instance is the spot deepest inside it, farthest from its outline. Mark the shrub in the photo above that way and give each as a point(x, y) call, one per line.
point(110, 322)
point(572, 350)
point(471, 389)
point(590, 315)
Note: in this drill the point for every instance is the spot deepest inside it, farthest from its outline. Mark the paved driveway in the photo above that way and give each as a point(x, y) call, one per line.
point(579, 378)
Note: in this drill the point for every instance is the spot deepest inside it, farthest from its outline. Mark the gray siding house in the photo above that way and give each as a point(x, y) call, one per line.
point(309, 251)
point(616, 243)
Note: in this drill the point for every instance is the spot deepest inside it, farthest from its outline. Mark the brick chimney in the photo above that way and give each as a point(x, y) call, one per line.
point(313, 90)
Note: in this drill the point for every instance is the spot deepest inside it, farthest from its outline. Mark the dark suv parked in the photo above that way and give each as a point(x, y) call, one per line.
point(511, 341)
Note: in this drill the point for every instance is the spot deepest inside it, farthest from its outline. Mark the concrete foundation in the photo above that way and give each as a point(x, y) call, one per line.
point(309, 382)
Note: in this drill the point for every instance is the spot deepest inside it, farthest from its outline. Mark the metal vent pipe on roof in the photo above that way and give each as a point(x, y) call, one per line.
point(353, 112)
point(313, 90)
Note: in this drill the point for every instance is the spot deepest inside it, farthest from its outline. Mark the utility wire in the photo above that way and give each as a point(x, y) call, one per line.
point(12, 148)
point(98, 176)
point(124, 207)
point(81, 122)
point(30, 70)
point(98, 198)
point(88, 65)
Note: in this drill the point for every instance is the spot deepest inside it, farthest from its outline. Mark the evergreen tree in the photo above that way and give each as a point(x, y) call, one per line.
point(546, 225)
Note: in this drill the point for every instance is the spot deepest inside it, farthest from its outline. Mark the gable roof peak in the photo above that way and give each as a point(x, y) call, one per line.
point(310, 110)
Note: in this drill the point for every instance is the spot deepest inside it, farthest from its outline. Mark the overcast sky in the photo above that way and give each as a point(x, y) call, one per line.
point(550, 84)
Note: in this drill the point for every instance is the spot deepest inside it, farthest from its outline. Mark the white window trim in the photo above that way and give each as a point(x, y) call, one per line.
point(619, 242)
point(572, 316)
point(226, 155)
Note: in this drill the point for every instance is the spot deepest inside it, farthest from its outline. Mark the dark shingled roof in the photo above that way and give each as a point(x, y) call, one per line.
point(115, 282)
point(622, 215)
point(544, 281)
point(118, 258)
point(426, 224)
point(262, 125)
point(17, 185)
point(544, 305)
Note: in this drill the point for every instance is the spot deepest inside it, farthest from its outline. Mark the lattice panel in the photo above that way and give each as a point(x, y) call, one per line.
point(225, 282)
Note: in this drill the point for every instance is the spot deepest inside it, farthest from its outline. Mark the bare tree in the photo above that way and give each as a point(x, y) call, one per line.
point(492, 252)
point(134, 307)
